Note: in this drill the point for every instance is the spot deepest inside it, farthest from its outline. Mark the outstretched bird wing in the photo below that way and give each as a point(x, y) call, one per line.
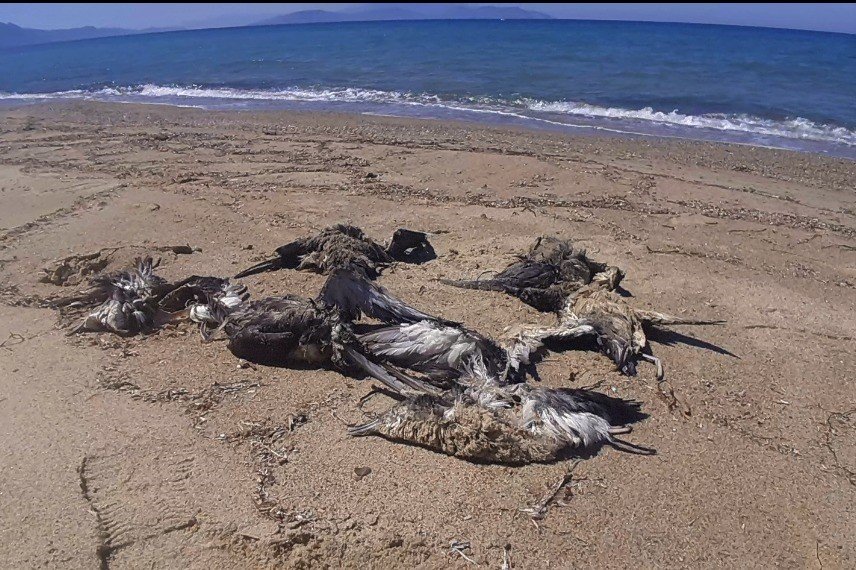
point(397, 381)
point(435, 349)
point(355, 295)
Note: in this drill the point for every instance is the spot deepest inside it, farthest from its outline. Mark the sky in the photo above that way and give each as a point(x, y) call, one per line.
point(822, 17)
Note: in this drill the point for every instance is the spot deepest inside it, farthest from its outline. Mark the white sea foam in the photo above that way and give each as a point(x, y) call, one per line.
point(344, 95)
point(798, 128)
point(552, 112)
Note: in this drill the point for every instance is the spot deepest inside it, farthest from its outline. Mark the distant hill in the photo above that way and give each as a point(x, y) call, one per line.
point(12, 35)
point(399, 13)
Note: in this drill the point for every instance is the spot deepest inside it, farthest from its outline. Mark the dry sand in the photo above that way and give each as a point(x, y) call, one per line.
point(159, 451)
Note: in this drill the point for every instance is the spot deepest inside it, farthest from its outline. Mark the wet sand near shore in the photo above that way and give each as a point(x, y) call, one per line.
point(161, 451)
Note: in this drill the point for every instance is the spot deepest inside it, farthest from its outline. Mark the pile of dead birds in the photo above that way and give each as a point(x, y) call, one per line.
point(456, 391)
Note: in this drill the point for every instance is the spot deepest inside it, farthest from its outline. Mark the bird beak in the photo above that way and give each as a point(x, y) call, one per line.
point(369, 428)
point(268, 265)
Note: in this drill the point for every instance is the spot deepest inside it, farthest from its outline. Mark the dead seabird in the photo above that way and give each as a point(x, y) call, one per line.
point(344, 247)
point(128, 301)
point(543, 277)
point(207, 300)
point(596, 310)
point(539, 425)
point(298, 332)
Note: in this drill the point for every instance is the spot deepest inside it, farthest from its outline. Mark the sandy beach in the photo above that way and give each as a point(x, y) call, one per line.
point(160, 451)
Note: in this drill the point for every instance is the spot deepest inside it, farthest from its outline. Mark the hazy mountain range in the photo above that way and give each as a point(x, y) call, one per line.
point(426, 12)
point(12, 35)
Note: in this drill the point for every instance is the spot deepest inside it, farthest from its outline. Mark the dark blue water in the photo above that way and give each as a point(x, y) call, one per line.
point(783, 88)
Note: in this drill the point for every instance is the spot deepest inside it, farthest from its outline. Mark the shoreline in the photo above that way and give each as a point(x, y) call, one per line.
point(150, 450)
point(583, 126)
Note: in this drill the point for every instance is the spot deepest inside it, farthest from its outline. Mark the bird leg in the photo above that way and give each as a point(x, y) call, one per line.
point(628, 447)
point(374, 392)
point(79, 328)
point(666, 390)
point(369, 428)
point(657, 362)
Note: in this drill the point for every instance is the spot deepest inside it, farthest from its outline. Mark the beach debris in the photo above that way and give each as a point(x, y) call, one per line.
point(539, 510)
point(294, 421)
point(506, 557)
point(12, 340)
point(76, 268)
point(360, 472)
point(460, 547)
point(73, 269)
point(177, 249)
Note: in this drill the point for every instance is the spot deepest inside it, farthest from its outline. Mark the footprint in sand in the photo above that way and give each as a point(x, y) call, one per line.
point(136, 499)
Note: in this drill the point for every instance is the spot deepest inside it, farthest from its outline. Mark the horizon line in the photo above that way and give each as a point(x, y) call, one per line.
point(170, 30)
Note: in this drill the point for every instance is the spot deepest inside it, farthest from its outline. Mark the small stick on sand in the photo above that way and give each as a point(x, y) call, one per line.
point(12, 336)
point(458, 547)
point(346, 424)
point(539, 510)
point(506, 557)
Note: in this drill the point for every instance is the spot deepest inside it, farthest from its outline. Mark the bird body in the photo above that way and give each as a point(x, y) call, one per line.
point(540, 425)
point(442, 352)
point(283, 331)
point(341, 247)
point(543, 278)
point(128, 301)
point(297, 332)
point(207, 300)
point(596, 310)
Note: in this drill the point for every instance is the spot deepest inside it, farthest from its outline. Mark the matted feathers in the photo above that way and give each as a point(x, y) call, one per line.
point(128, 301)
point(544, 425)
point(344, 247)
point(354, 295)
point(543, 277)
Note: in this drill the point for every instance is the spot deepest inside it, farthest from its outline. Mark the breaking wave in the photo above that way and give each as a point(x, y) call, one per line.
point(557, 112)
point(798, 128)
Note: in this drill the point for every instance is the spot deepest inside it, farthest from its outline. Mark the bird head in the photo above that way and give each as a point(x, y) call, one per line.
point(609, 278)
